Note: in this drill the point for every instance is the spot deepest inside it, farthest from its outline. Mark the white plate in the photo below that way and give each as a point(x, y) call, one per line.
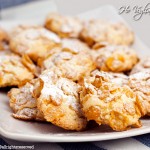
point(46, 132)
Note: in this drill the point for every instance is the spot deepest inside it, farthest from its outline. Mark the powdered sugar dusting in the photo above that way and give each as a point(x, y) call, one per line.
point(24, 104)
point(59, 89)
point(140, 75)
point(35, 33)
point(25, 96)
point(74, 45)
point(5, 57)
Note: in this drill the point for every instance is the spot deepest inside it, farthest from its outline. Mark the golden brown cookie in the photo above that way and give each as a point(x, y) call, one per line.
point(115, 58)
point(12, 71)
point(109, 103)
point(33, 41)
point(23, 103)
point(98, 31)
point(74, 63)
point(140, 83)
point(58, 99)
point(143, 65)
point(65, 27)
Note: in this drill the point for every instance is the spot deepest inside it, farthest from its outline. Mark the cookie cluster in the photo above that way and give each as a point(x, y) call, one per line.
point(69, 71)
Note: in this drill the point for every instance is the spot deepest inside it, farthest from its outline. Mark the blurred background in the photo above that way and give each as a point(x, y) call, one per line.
point(73, 7)
point(11, 3)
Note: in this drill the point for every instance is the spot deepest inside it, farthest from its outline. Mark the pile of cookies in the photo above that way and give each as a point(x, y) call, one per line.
point(68, 72)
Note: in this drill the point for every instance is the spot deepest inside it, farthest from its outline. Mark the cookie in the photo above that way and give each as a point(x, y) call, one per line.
point(140, 83)
point(58, 99)
point(74, 63)
point(109, 103)
point(23, 103)
point(98, 31)
point(115, 58)
point(65, 27)
point(12, 71)
point(33, 41)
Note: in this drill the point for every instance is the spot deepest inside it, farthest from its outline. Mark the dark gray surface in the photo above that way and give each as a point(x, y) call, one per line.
point(11, 3)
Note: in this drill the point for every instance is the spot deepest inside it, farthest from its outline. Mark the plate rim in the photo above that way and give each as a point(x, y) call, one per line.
point(64, 138)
